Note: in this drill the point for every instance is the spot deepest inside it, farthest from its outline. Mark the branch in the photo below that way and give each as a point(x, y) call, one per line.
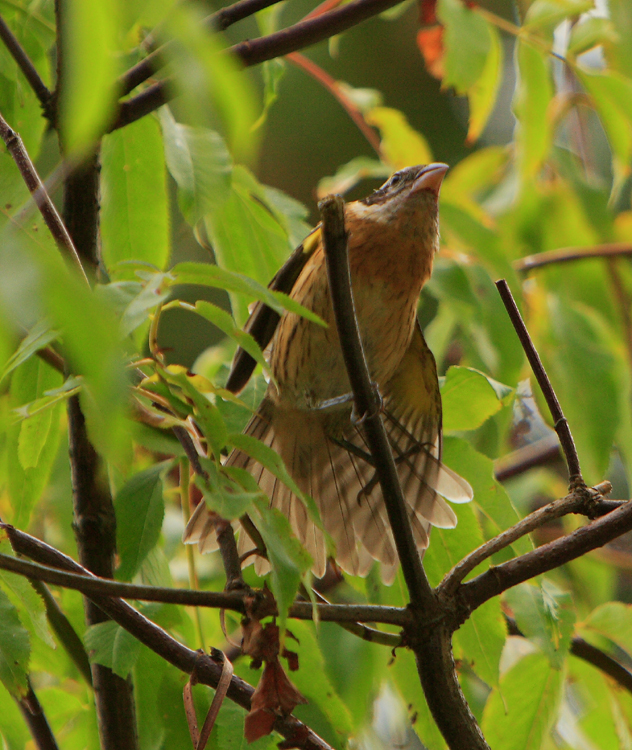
point(560, 423)
point(522, 459)
point(429, 635)
point(33, 182)
point(26, 66)
point(499, 578)
point(35, 718)
point(208, 671)
point(568, 254)
point(90, 585)
point(252, 52)
point(219, 21)
point(583, 501)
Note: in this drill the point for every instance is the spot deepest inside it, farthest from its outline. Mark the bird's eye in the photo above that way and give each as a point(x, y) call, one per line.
point(396, 179)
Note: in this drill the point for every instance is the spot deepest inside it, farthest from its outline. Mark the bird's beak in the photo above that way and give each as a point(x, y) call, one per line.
point(431, 178)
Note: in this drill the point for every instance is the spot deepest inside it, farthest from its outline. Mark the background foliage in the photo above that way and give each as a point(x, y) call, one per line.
point(532, 108)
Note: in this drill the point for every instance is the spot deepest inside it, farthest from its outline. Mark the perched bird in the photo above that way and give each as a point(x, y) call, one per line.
point(393, 237)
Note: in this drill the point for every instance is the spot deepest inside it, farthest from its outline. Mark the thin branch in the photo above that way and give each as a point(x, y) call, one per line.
point(90, 585)
point(33, 182)
point(255, 51)
point(569, 254)
point(522, 459)
point(219, 21)
point(26, 66)
point(334, 89)
point(560, 423)
point(35, 718)
point(208, 671)
point(499, 578)
point(582, 501)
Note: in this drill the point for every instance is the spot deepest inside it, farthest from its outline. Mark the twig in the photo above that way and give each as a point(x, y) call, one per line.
point(255, 51)
point(429, 635)
point(26, 66)
point(208, 671)
point(332, 86)
point(569, 254)
point(499, 578)
point(559, 420)
point(33, 182)
point(35, 718)
point(522, 459)
point(583, 501)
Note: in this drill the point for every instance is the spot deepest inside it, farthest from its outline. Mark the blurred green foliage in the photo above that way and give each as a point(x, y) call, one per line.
point(533, 111)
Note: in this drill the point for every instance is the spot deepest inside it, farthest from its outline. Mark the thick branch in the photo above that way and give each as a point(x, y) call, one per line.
point(429, 636)
point(560, 422)
point(497, 579)
point(208, 672)
point(26, 66)
point(255, 51)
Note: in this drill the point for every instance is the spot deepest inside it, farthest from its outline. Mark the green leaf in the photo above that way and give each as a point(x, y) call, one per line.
point(139, 510)
point(351, 174)
point(469, 397)
point(401, 144)
point(88, 89)
point(199, 162)
point(112, 646)
point(288, 559)
point(313, 682)
point(31, 445)
point(14, 649)
point(547, 14)
point(590, 32)
point(545, 615)
point(155, 292)
point(134, 205)
point(521, 712)
point(611, 95)
point(467, 42)
point(481, 640)
point(224, 494)
point(37, 338)
point(531, 101)
point(51, 398)
point(613, 621)
point(482, 94)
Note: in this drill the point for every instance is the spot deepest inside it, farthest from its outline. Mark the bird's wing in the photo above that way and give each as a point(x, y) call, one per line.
point(263, 320)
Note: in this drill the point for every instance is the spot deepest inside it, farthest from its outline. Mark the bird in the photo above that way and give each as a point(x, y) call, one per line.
point(306, 414)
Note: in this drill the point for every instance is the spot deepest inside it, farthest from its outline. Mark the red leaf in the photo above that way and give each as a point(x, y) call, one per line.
point(430, 43)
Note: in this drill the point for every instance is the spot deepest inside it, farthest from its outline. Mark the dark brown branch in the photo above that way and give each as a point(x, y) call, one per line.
point(522, 459)
point(26, 66)
point(219, 21)
point(583, 501)
point(429, 635)
point(497, 579)
point(33, 182)
point(252, 52)
point(568, 254)
point(559, 420)
point(208, 672)
point(590, 654)
point(367, 400)
point(36, 720)
point(90, 585)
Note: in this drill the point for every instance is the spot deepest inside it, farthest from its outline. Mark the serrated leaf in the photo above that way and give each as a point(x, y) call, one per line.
point(112, 646)
point(545, 615)
point(200, 164)
point(519, 715)
point(401, 144)
point(531, 101)
point(226, 497)
point(469, 398)
point(288, 558)
point(139, 510)
point(612, 620)
point(14, 649)
point(467, 42)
